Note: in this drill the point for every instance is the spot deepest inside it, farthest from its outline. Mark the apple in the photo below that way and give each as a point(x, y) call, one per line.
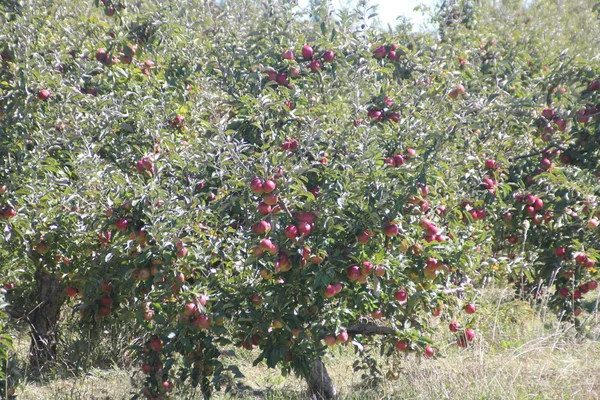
point(101, 55)
point(563, 292)
point(584, 288)
point(338, 287)
point(291, 232)
point(592, 285)
point(277, 324)
point(307, 52)
point(469, 335)
point(330, 340)
point(490, 164)
point(398, 160)
point(453, 94)
point(287, 55)
point(261, 227)
point(391, 230)
point(42, 247)
point(104, 311)
point(548, 113)
point(377, 314)
point(429, 352)
point(190, 309)
point(146, 368)
point(593, 85)
point(576, 294)
point(265, 274)
point(454, 326)
point(470, 308)
point(282, 79)
point(121, 224)
point(315, 65)
point(71, 291)
point(589, 263)
point(271, 199)
point(106, 301)
point(256, 185)
point(202, 322)
point(411, 153)
point(353, 272)
point(592, 223)
point(401, 295)
point(394, 116)
point(330, 291)
point(109, 11)
point(401, 345)
point(342, 337)
point(561, 125)
point(580, 258)
point(380, 52)
point(362, 238)
point(367, 268)
point(560, 251)
point(304, 228)
point(328, 56)
point(379, 270)
point(264, 208)
point(362, 279)
point(393, 56)
point(44, 94)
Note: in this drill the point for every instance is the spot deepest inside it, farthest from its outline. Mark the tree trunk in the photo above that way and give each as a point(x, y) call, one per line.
point(319, 382)
point(44, 319)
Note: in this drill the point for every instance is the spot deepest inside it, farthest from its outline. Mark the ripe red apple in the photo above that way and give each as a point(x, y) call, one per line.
point(121, 224)
point(592, 285)
point(304, 228)
point(315, 65)
point(367, 268)
point(44, 94)
point(584, 288)
point(454, 326)
point(469, 335)
point(592, 223)
point(561, 125)
point(401, 295)
point(490, 164)
point(342, 337)
point(287, 55)
point(548, 113)
point(261, 227)
point(202, 322)
point(307, 52)
point(282, 79)
point(391, 230)
point(264, 208)
point(104, 311)
point(380, 52)
point(338, 287)
point(560, 251)
point(190, 309)
point(401, 345)
point(362, 238)
point(291, 232)
point(580, 258)
point(353, 272)
point(106, 301)
point(429, 352)
point(563, 292)
point(71, 291)
point(379, 270)
point(393, 56)
point(328, 56)
point(470, 308)
point(330, 291)
point(146, 368)
point(593, 85)
point(256, 185)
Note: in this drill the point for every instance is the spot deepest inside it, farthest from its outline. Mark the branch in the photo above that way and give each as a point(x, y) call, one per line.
point(535, 153)
point(370, 330)
point(285, 208)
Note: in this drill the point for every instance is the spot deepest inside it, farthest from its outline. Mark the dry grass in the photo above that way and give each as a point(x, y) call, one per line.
point(517, 355)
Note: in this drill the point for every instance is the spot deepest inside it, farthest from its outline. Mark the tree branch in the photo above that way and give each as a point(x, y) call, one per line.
point(535, 153)
point(370, 330)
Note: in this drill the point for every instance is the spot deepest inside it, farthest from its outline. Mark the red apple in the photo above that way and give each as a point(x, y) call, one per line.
point(307, 52)
point(379, 52)
point(353, 272)
point(121, 224)
point(391, 230)
point(401, 345)
point(328, 56)
point(454, 326)
point(401, 295)
point(470, 308)
point(256, 185)
point(469, 335)
point(330, 291)
point(287, 55)
point(304, 228)
point(379, 270)
point(261, 227)
point(330, 340)
point(429, 352)
point(342, 337)
point(291, 232)
point(44, 94)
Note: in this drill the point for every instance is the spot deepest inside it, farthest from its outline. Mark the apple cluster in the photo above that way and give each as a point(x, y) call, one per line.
point(390, 50)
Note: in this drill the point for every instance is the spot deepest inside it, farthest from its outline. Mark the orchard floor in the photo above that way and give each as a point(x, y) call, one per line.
point(518, 354)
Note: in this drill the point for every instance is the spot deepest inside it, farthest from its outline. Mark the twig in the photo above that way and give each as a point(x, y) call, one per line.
point(535, 153)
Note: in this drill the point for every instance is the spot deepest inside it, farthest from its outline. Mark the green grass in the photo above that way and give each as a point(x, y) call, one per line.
point(517, 355)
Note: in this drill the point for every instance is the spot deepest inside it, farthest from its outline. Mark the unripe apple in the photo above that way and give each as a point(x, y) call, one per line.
point(342, 337)
point(328, 56)
point(470, 308)
point(265, 274)
point(277, 324)
point(401, 295)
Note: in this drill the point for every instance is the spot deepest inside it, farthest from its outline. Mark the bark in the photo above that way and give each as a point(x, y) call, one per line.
point(319, 382)
point(43, 320)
